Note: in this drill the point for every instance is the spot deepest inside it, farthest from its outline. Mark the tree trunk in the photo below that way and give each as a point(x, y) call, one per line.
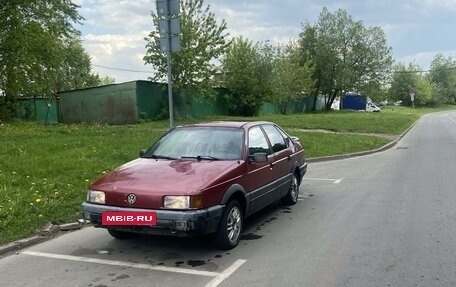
point(314, 103)
point(331, 99)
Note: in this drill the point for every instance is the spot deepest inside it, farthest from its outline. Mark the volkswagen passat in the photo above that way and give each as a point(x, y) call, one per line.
point(199, 179)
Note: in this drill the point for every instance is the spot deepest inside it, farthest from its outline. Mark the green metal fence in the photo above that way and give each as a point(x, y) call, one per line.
point(130, 102)
point(42, 110)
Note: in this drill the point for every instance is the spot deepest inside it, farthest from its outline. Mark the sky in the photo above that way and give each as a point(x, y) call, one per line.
point(113, 30)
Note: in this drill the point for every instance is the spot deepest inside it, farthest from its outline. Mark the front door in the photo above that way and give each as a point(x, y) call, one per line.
point(260, 183)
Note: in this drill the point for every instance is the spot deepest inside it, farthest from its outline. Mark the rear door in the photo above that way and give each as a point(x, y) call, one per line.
point(282, 164)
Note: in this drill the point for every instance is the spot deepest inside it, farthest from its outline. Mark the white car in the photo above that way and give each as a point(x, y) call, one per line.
point(370, 107)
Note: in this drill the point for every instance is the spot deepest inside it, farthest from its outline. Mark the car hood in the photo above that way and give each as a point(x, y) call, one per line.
point(162, 176)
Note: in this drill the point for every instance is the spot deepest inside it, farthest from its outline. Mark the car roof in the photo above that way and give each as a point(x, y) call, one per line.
point(232, 124)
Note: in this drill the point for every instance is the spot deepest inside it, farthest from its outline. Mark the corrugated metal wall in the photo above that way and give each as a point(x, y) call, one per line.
point(113, 104)
point(151, 98)
point(43, 110)
point(131, 102)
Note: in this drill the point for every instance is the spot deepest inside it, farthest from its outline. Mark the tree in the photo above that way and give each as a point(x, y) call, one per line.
point(247, 70)
point(107, 80)
point(443, 77)
point(291, 79)
point(408, 79)
point(76, 71)
point(40, 51)
point(202, 41)
point(347, 55)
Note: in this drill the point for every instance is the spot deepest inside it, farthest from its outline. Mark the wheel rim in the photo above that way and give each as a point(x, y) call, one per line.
point(294, 189)
point(234, 224)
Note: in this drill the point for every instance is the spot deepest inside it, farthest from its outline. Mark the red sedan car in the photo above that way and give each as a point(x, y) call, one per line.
point(199, 179)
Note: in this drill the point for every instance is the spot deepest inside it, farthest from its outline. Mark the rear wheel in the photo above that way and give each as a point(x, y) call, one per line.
point(292, 196)
point(120, 234)
point(229, 231)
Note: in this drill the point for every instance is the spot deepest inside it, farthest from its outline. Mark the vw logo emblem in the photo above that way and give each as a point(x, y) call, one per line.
point(131, 198)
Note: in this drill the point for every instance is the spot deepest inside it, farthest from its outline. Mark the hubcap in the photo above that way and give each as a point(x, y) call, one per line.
point(234, 224)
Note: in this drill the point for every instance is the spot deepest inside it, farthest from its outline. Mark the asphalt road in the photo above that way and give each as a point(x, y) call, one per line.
point(387, 219)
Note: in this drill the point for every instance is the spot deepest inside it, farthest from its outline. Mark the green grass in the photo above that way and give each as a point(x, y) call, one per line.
point(45, 170)
point(320, 144)
point(391, 120)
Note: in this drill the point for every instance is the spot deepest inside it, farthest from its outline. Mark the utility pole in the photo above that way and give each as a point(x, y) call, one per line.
point(169, 28)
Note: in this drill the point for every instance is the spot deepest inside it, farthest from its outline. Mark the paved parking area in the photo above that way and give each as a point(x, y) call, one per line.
point(217, 277)
point(92, 258)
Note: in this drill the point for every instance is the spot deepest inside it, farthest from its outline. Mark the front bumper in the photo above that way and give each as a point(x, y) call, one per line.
point(169, 222)
point(302, 170)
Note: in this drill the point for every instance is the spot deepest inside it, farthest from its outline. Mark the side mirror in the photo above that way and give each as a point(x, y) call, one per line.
point(142, 152)
point(258, 157)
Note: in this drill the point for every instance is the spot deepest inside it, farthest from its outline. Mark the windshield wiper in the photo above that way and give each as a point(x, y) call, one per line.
point(201, 157)
point(156, 156)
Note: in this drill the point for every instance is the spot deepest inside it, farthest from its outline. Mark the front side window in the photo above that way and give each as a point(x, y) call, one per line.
point(257, 141)
point(206, 142)
point(275, 137)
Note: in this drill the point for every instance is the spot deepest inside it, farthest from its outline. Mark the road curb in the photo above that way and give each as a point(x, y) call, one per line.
point(349, 155)
point(20, 244)
point(48, 232)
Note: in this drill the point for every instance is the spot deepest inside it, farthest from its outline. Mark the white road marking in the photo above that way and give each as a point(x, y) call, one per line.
point(225, 274)
point(334, 180)
point(122, 264)
point(218, 277)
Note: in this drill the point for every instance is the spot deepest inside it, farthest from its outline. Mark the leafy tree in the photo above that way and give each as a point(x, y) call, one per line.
point(423, 91)
point(202, 41)
point(377, 91)
point(246, 73)
point(443, 77)
point(406, 80)
point(40, 53)
point(76, 73)
point(291, 79)
point(347, 55)
point(438, 95)
point(107, 80)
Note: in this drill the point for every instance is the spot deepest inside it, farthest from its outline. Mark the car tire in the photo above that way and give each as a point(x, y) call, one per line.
point(230, 228)
point(122, 235)
point(293, 193)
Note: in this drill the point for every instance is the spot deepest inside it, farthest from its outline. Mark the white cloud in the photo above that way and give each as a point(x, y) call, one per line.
point(424, 59)
point(416, 29)
point(113, 35)
point(118, 51)
point(117, 16)
point(254, 26)
point(446, 4)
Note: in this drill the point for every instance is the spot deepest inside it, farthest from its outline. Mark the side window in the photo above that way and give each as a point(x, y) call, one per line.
point(275, 137)
point(285, 136)
point(257, 141)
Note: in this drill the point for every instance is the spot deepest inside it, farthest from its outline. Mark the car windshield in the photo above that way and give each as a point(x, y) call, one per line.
point(201, 143)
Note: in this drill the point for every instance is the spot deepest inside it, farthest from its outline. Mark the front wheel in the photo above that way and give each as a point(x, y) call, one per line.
point(292, 196)
point(229, 231)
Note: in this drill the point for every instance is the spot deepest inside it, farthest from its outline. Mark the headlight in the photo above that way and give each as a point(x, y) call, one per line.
point(95, 196)
point(183, 202)
point(177, 202)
